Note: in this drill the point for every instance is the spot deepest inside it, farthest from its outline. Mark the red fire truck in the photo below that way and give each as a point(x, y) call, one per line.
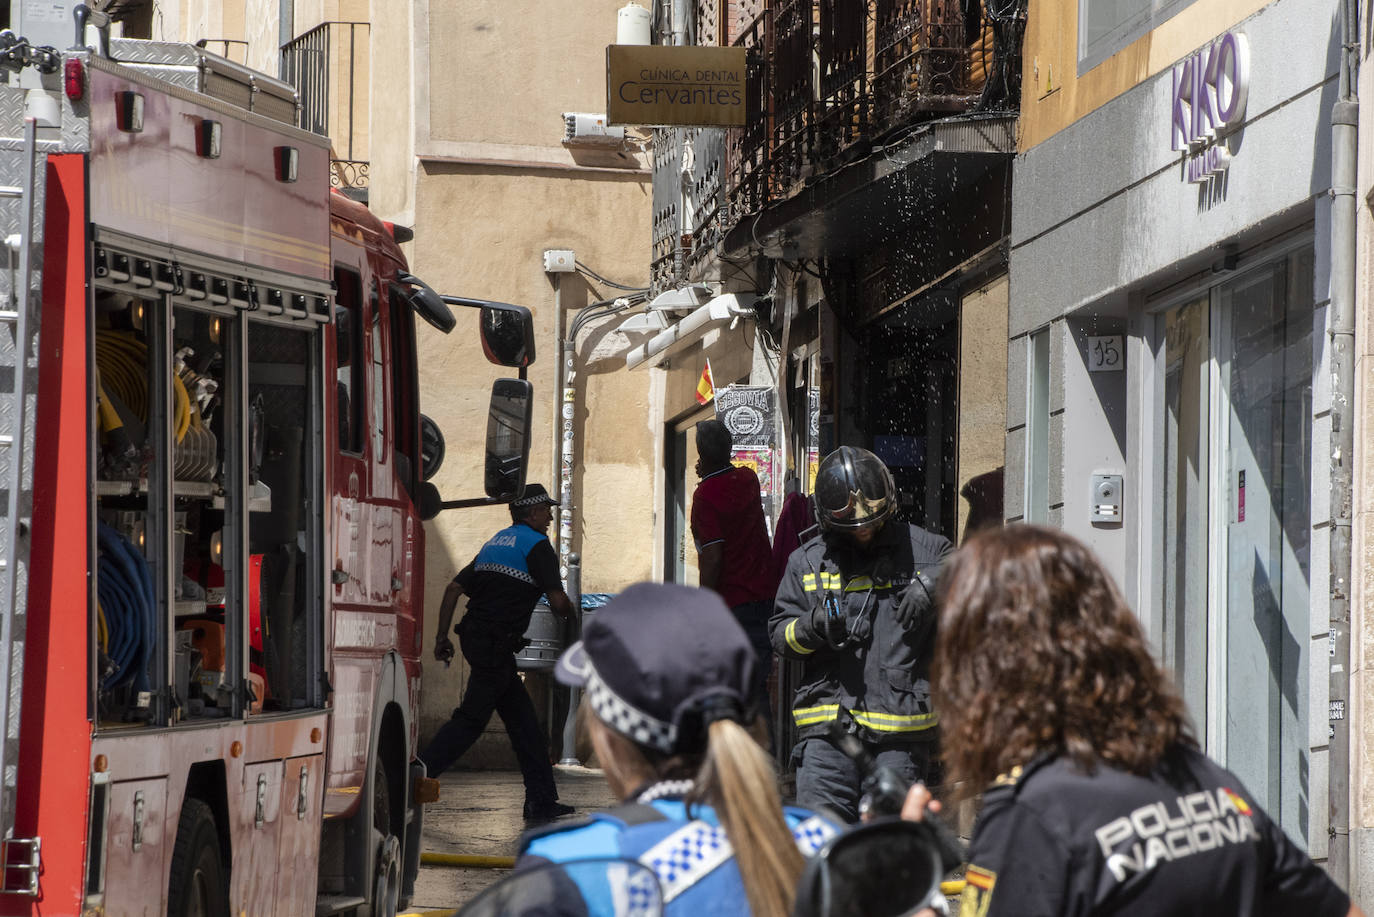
point(213, 476)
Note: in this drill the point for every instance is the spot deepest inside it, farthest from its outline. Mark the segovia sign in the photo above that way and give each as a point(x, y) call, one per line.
point(675, 85)
point(1208, 102)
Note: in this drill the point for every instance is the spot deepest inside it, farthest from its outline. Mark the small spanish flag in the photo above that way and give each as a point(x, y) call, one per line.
point(706, 386)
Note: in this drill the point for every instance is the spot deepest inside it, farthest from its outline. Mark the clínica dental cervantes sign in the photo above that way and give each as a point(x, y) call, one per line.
point(1210, 88)
point(675, 85)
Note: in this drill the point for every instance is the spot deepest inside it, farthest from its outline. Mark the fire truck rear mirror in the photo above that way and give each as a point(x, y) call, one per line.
point(508, 438)
point(507, 334)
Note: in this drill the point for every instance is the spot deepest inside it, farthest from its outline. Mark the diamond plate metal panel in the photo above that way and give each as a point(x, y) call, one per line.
point(20, 228)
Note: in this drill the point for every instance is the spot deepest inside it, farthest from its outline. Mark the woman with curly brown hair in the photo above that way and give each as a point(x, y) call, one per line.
point(1096, 799)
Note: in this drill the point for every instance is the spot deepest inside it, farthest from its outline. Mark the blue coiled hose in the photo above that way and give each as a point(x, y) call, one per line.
point(125, 589)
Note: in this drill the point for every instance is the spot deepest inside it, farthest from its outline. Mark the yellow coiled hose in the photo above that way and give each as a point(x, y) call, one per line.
point(121, 361)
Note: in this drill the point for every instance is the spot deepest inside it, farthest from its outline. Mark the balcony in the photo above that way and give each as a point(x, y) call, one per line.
point(930, 85)
point(330, 68)
point(845, 75)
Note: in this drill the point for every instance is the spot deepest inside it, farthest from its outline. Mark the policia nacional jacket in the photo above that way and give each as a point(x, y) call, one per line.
point(1187, 840)
point(877, 678)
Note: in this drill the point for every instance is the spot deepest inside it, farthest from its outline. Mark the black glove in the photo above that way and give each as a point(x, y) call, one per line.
point(827, 626)
point(916, 611)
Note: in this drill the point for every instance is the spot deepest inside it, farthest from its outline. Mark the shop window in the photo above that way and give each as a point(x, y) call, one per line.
point(1107, 26)
point(1235, 386)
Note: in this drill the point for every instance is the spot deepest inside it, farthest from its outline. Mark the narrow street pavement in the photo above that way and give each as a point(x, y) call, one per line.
point(479, 813)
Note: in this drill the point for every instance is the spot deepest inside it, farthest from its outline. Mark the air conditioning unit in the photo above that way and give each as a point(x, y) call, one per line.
point(582, 129)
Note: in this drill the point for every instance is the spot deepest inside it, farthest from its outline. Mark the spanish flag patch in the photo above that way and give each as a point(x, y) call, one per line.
point(1238, 801)
point(977, 896)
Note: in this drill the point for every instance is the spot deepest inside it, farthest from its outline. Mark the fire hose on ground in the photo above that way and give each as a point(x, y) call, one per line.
point(950, 889)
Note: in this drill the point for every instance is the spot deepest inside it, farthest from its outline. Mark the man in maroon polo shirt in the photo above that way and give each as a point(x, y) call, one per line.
point(734, 556)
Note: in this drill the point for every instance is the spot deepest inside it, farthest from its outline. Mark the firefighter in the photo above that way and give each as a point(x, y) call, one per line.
point(503, 583)
point(674, 703)
point(856, 607)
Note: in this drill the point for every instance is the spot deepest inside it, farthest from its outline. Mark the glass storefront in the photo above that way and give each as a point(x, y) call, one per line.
point(1236, 391)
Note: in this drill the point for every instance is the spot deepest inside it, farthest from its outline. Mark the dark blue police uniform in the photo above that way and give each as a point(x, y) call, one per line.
point(503, 583)
point(1186, 840)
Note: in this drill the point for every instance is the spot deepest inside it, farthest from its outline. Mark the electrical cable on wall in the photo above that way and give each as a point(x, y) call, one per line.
point(583, 269)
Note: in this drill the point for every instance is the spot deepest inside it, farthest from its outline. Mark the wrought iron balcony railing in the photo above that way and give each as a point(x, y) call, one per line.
point(329, 66)
point(829, 78)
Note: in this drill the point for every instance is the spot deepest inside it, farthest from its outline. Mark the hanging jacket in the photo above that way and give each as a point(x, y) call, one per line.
point(876, 683)
point(688, 851)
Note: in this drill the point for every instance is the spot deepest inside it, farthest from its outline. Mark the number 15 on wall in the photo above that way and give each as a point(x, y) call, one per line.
point(1106, 354)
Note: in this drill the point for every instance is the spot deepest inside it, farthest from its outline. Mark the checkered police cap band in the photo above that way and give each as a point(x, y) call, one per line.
point(538, 499)
point(629, 721)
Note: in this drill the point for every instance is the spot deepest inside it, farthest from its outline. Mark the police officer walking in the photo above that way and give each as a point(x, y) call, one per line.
point(503, 583)
point(856, 607)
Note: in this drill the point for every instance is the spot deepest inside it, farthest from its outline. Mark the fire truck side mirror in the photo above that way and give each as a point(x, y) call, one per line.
point(507, 450)
point(508, 438)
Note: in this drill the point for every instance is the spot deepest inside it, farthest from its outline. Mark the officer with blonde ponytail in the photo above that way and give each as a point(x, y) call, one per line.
point(672, 705)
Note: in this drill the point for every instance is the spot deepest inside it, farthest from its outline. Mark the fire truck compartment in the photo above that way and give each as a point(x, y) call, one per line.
point(206, 500)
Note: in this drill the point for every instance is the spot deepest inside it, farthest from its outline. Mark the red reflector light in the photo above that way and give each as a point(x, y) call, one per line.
point(74, 79)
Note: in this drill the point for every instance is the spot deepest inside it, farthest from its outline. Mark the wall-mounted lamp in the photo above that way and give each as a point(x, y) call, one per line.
point(684, 298)
point(644, 322)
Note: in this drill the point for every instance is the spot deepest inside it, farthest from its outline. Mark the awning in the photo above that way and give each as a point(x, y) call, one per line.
point(724, 308)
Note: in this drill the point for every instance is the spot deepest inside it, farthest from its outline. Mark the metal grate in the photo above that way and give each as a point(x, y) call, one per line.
point(921, 60)
point(705, 193)
point(747, 148)
point(792, 92)
point(842, 116)
point(665, 269)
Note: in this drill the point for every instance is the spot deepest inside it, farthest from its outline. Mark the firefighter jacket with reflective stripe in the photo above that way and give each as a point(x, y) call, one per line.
point(877, 678)
point(687, 850)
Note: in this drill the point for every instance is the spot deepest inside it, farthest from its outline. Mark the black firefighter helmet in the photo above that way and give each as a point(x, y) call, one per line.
point(853, 490)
